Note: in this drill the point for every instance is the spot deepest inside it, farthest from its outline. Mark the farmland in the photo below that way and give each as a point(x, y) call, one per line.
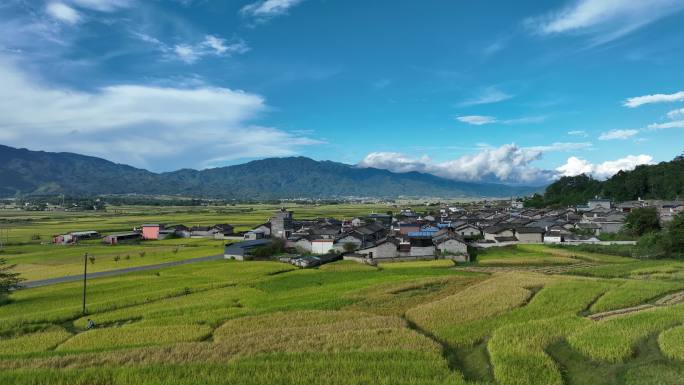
point(518, 315)
point(28, 235)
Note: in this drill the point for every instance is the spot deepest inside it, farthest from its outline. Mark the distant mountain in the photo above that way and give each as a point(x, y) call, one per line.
point(37, 172)
point(664, 180)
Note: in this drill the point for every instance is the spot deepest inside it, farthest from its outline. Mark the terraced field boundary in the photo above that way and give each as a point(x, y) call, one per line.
point(668, 300)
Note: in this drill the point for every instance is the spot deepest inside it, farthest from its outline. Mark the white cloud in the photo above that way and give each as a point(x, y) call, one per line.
point(663, 126)
point(618, 134)
point(576, 166)
point(488, 96)
point(63, 13)
point(605, 20)
point(103, 5)
point(186, 53)
point(581, 133)
point(675, 114)
point(656, 98)
point(508, 163)
point(562, 147)
point(190, 53)
point(477, 120)
point(266, 9)
point(161, 127)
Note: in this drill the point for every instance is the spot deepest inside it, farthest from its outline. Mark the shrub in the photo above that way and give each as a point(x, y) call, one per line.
point(643, 220)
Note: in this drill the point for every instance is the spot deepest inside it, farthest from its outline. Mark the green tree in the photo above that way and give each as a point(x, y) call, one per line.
point(642, 221)
point(675, 233)
point(652, 245)
point(349, 247)
point(9, 280)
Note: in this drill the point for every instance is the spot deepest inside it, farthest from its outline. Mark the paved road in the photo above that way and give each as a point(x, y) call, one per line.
point(109, 273)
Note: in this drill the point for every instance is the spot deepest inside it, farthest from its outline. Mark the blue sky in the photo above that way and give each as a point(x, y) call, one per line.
point(518, 92)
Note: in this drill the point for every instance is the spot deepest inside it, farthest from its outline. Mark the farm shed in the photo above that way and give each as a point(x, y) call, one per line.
point(74, 237)
point(239, 250)
point(114, 239)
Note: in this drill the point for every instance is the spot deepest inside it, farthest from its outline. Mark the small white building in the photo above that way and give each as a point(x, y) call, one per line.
point(321, 246)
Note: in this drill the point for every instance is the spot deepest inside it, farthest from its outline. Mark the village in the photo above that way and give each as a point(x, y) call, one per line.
point(443, 231)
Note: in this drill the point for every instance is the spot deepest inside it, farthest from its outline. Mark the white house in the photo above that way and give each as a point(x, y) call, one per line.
point(321, 246)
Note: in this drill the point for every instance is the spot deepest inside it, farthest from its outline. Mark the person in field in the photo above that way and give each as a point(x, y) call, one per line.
point(90, 324)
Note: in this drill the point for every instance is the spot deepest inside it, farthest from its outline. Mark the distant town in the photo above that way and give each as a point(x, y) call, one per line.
point(450, 231)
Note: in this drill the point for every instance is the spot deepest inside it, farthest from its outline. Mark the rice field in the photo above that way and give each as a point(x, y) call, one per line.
point(408, 323)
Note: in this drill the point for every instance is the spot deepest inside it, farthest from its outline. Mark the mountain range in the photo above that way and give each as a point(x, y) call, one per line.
point(29, 172)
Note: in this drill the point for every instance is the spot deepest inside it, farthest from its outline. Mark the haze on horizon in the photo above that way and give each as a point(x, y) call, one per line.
point(520, 92)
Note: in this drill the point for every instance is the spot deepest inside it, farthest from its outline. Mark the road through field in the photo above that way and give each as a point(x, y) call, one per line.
point(109, 273)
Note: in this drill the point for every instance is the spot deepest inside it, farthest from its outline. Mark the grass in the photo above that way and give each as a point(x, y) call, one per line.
point(520, 255)
point(671, 343)
point(634, 292)
point(615, 339)
point(134, 336)
point(35, 342)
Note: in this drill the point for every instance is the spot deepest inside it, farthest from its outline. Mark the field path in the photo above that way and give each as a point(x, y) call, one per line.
point(668, 300)
point(556, 269)
point(110, 273)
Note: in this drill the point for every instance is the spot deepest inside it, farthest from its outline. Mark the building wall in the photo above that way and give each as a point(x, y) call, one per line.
point(553, 239)
point(506, 233)
point(339, 245)
point(530, 238)
point(422, 251)
point(469, 232)
point(304, 244)
point(607, 227)
point(265, 229)
point(321, 247)
point(453, 246)
point(383, 250)
point(281, 224)
point(150, 232)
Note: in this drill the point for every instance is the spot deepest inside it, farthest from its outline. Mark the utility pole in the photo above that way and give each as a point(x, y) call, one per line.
point(85, 271)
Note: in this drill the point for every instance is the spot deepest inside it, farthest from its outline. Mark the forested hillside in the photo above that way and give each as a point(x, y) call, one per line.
point(660, 181)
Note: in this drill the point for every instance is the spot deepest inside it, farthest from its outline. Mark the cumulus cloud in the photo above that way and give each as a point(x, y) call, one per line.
point(488, 96)
point(477, 120)
point(618, 134)
point(266, 9)
point(63, 13)
point(576, 166)
point(508, 163)
point(159, 127)
point(656, 98)
point(605, 20)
